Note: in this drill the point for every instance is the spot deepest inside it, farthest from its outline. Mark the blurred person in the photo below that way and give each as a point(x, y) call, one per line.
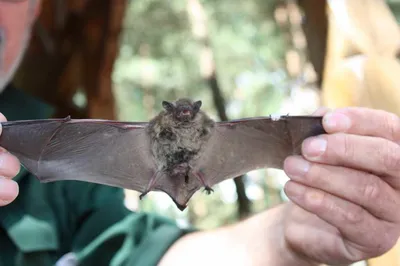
point(344, 194)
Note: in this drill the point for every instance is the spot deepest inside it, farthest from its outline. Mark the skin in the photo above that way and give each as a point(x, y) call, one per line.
point(9, 167)
point(344, 192)
point(15, 23)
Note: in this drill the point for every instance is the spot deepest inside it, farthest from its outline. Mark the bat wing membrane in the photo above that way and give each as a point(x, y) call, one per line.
point(239, 146)
point(105, 152)
point(118, 153)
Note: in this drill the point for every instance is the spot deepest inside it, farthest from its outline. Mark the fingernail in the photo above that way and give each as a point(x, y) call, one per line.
point(296, 167)
point(314, 147)
point(8, 189)
point(335, 121)
point(294, 190)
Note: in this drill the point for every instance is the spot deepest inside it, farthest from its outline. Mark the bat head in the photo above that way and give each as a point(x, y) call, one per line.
point(183, 110)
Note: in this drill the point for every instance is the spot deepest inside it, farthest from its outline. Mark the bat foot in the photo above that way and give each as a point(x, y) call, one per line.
point(151, 184)
point(199, 175)
point(208, 190)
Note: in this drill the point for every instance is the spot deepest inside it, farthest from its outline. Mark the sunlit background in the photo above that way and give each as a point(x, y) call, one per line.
point(241, 58)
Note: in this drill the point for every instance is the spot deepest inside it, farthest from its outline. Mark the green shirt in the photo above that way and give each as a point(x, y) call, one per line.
point(86, 221)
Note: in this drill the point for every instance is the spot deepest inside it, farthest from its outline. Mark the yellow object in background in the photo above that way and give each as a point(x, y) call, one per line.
point(361, 66)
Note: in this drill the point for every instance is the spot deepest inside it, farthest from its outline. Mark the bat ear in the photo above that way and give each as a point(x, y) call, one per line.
point(197, 105)
point(168, 106)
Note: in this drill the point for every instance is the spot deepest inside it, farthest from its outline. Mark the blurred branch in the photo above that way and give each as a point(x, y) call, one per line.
point(207, 64)
point(219, 102)
point(76, 43)
point(315, 27)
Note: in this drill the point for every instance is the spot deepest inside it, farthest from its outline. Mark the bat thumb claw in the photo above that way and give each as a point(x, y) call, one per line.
point(142, 195)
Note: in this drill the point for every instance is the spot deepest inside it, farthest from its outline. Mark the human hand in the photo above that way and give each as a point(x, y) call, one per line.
point(9, 168)
point(346, 199)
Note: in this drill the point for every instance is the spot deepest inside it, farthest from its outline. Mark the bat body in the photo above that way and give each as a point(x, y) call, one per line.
point(177, 137)
point(179, 151)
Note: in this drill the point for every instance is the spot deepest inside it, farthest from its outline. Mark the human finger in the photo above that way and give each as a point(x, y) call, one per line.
point(8, 191)
point(376, 155)
point(2, 118)
point(9, 165)
point(358, 227)
point(362, 188)
point(363, 121)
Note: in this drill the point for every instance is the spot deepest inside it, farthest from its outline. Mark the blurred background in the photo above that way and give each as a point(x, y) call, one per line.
point(118, 59)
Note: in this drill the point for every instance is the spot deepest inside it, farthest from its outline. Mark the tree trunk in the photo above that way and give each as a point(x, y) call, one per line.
point(207, 65)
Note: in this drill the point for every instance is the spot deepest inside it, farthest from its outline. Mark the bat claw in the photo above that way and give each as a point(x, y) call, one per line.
point(143, 194)
point(208, 190)
point(199, 175)
point(150, 186)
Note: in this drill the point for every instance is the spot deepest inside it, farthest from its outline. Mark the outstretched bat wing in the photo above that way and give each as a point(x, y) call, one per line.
point(239, 146)
point(99, 151)
point(118, 153)
point(250, 144)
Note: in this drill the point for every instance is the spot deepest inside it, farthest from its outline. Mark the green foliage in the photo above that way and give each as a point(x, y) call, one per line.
point(159, 59)
point(394, 6)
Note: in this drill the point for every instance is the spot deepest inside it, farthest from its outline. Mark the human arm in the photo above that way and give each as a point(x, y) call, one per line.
point(257, 240)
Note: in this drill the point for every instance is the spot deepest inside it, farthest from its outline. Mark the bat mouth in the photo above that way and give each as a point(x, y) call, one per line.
point(186, 113)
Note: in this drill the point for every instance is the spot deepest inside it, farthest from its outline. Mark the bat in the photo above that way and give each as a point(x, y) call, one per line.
point(179, 151)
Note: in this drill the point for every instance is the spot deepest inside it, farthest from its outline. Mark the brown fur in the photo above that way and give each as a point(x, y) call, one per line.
point(174, 142)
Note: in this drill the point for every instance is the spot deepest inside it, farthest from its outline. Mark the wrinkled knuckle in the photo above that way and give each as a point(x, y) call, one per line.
point(372, 190)
point(392, 124)
point(345, 145)
point(391, 157)
point(355, 216)
point(316, 199)
point(313, 174)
